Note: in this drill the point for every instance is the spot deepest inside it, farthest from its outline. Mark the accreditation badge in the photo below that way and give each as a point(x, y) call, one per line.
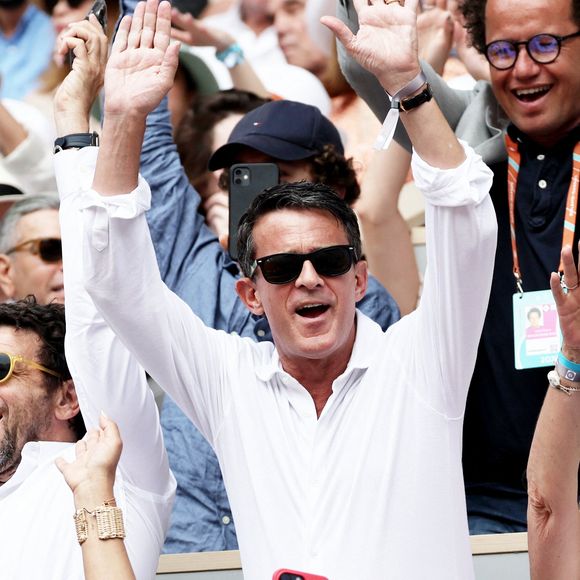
point(537, 335)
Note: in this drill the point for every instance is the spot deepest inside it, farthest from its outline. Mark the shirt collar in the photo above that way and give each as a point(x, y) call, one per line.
point(34, 454)
point(567, 142)
point(366, 343)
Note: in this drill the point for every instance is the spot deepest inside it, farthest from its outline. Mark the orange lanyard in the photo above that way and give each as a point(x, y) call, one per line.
point(571, 203)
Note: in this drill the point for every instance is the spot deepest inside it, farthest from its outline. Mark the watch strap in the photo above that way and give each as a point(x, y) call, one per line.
point(76, 141)
point(410, 103)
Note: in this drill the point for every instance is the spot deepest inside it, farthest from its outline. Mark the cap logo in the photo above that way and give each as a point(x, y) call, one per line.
point(256, 124)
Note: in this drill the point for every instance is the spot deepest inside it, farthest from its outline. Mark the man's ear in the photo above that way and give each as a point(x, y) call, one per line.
point(66, 402)
point(361, 274)
point(248, 293)
point(6, 281)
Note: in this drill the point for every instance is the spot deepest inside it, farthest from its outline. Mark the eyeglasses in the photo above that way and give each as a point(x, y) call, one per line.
point(542, 48)
point(7, 362)
point(284, 268)
point(48, 249)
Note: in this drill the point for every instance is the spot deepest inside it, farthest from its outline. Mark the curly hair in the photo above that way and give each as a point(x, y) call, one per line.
point(194, 135)
point(302, 195)
point(474, 15)
point(48, 323)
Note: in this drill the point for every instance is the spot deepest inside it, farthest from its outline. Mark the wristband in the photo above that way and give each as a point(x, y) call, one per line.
point(388, 129)
point(568, 364)
point(76, 141)
point(231, 56)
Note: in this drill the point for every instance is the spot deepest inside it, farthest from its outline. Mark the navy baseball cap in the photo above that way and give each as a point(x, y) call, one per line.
point(284, 130)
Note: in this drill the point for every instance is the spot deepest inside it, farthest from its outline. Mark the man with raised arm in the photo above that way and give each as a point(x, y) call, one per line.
point(340, 444)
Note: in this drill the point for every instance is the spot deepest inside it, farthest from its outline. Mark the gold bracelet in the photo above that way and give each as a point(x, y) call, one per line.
point(109, 519)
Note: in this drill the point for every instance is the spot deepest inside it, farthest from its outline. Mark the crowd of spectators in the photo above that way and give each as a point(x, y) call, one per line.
point(307, 85)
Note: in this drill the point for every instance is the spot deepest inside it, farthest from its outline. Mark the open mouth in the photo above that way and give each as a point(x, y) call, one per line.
point(312, 310)
point(533, 94)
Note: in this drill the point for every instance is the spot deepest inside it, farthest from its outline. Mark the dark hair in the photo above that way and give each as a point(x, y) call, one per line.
point(194, 135)
point(329, 167)
point(474, 14)
point(48, 323)
point(536, 310)
point(303, 195)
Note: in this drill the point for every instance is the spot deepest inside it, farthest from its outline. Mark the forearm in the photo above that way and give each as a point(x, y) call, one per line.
point(387, 239)
point(553, 516)
point(244, 78)
point(117, 170)
point(12, 133)
point(101, 558)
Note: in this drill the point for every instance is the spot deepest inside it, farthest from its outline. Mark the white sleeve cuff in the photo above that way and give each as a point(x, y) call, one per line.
point(467, 184)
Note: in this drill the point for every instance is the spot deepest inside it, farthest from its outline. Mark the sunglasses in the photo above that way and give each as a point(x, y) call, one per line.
point(542, 48)
point(7, 362)
point(48, 249)
point(284, 268)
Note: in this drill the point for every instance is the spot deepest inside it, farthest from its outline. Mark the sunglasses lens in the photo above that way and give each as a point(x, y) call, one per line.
point(332, 261)
point(544, 48)
point(282, 268)
point(50, 250)
point(5, 363)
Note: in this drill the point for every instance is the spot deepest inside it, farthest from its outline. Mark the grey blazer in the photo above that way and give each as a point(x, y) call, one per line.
point(475, 115)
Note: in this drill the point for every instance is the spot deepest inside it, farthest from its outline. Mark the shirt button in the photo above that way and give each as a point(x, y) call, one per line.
point(226, 520)
point(261, 333)
point(541, 157)
point(542, 184)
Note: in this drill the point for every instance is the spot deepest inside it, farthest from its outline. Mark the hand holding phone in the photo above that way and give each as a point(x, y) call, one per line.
point(99, 9)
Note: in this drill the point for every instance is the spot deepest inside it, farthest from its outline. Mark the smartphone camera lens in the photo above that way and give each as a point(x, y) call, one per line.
point(237, 181)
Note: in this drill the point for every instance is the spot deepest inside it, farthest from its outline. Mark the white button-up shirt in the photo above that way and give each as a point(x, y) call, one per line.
point(372, 488)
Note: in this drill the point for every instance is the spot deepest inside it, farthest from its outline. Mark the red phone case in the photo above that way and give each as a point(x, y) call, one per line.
point(295, 575)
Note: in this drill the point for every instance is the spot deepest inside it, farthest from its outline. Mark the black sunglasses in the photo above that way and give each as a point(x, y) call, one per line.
point(7, 362)
point(284, 268)
point(542, 48)
point(48, 249)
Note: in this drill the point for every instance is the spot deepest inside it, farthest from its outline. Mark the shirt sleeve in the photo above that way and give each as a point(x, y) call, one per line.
point(461, 232)
point(121, 275)
point(106, 376)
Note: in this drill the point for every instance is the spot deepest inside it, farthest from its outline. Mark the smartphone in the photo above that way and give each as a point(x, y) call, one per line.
point(294, 575)
point(246, 181)
point(99, 9)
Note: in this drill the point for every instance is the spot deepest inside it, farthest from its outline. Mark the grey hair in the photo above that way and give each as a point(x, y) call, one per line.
point(18, 210)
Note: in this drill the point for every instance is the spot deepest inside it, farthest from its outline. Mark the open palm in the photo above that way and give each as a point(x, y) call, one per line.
point(386, 41)
point(142, 64)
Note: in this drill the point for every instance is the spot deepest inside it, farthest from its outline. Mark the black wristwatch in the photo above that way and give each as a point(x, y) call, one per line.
point(410, 103)
point(76, 141)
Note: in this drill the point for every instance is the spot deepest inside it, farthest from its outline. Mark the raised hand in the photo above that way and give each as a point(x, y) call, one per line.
point(76, 94)
point(142, 63)
point(97, 455)
point(435, 27)
point(568, 301)
point(194, 32)
point(386, 42)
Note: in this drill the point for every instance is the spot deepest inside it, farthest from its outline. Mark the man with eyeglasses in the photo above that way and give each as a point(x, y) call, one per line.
point(526, 118)
point(336, 439)
point(30, 251)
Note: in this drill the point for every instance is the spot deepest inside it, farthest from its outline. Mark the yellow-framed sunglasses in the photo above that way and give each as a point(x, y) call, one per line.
point(7, 362)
